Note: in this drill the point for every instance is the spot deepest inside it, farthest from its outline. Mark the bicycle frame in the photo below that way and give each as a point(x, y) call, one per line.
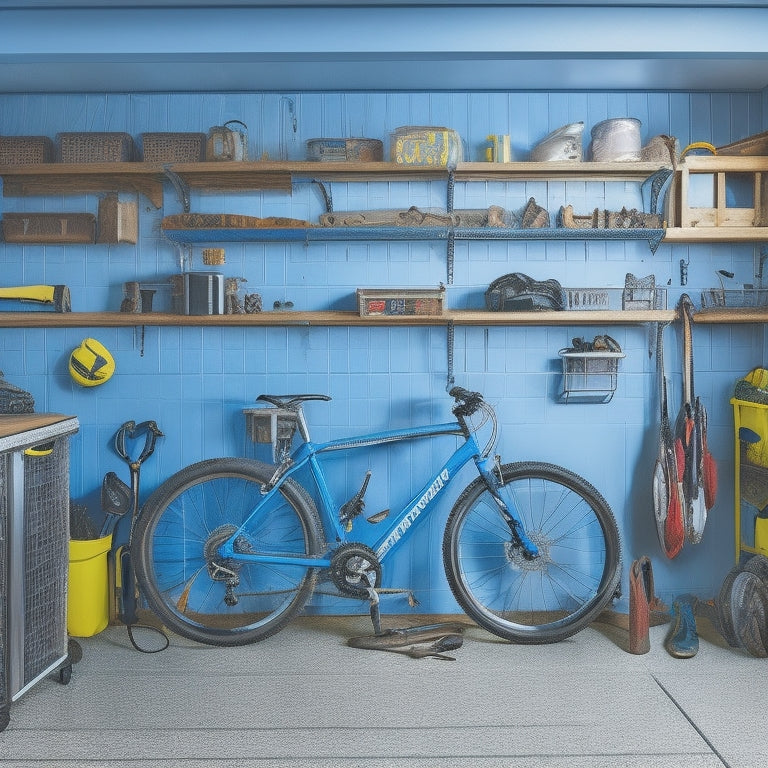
point(306, 455)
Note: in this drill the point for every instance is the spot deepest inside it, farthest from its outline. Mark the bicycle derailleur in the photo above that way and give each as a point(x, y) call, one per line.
point(224, 569)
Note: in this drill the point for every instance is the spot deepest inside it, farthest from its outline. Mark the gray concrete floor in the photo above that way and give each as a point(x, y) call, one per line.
point(305, 699)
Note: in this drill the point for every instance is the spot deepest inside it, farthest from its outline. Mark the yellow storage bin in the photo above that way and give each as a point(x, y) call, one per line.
point(754, 416)
point(761, 535)
point(88, 594)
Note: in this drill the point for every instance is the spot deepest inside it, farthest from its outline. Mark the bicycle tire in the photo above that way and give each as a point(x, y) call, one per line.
point(549, 598)
point(174, 551)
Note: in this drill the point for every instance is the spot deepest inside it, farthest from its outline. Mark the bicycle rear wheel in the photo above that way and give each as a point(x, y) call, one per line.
point(553, 596)
point(196, 592)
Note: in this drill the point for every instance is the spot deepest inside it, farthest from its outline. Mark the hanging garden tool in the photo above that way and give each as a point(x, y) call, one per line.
point(667, 487)
point(698, 472)
point(126, 588)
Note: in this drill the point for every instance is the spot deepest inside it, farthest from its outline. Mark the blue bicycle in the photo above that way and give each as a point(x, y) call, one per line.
point(228, 550)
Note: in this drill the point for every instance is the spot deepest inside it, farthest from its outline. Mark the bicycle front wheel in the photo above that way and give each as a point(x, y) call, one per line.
point(558, 593)
point(190, 587)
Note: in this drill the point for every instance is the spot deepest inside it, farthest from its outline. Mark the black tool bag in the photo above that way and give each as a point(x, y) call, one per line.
point(13, 399)
point(517, 292)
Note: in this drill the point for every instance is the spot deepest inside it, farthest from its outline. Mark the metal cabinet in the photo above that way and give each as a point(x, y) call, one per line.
point(34, 555)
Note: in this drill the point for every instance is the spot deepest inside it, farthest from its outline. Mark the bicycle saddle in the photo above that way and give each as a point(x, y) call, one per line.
point(289, 401)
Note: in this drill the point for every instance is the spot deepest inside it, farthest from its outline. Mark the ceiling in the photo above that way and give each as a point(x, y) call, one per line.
point(253, 45)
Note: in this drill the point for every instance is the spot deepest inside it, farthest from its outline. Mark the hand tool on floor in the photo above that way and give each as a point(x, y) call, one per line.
point(427, 641)
point(56, 295)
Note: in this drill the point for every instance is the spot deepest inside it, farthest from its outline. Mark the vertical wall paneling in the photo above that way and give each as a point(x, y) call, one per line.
point(195, 381)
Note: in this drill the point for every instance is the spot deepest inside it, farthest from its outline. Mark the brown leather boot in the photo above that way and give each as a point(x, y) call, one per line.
point(641, 594)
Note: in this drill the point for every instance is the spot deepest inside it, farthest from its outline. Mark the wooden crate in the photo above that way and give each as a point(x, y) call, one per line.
point(400, 301)
point(49, 227)
point(118, 221)
point(714, 191)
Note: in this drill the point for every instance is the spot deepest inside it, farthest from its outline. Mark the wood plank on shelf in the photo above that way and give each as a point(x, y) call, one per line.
point(715, 234)
point(724, 163)
point(83, 178)
point(147, 178)
point(589, 170)
point(732, 315)
point(329, 318)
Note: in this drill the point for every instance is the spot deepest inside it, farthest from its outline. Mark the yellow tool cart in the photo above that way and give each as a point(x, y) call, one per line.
point(750, 423)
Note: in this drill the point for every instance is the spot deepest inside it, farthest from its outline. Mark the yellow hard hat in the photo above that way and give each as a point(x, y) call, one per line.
point(91, 364)
point(758, 377)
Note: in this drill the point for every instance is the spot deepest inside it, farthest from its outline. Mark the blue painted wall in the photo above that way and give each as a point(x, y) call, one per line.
point(195, 381)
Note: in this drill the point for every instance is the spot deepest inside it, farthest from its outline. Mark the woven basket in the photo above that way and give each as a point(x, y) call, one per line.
point(173, 147)
point(95, 147)
point(25, 150)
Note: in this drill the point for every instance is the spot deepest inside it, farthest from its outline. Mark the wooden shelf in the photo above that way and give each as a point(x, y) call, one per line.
point(733, 315)
point(557, 171)
point(83, 178)
point(329, 318)
point(694, 235)
point(147, 178)
point(32, 319)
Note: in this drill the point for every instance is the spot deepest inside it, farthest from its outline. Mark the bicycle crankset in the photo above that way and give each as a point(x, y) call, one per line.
point(352, 565)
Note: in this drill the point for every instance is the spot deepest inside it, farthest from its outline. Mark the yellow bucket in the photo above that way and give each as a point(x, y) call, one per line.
point(761, 535)
point(88, 593)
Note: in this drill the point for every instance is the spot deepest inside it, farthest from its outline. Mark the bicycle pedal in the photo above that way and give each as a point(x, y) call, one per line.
point(378, 517)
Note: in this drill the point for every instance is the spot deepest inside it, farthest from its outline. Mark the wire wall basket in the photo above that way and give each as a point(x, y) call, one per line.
point(589, 377)
point(734, 297)
point(586, 299)
point(275, 426)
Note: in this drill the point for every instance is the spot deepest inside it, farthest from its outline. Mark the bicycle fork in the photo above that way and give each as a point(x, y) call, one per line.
point(490, 470)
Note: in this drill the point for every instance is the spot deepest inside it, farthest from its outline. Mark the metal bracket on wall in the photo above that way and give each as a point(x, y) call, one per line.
point(449, 347)
point(327, 195)
point(449, 254)
point(659, 183)
point(182, 190)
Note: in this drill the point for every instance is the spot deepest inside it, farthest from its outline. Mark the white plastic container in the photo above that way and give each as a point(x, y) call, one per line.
point(562, 144)
point(617, 140)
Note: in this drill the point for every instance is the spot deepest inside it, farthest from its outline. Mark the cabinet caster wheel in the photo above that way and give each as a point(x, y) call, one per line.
point(64, 675)
point(74, 651)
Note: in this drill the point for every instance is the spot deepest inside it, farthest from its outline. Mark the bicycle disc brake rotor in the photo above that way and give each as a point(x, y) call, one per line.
point(516, 556)
point(351, 566)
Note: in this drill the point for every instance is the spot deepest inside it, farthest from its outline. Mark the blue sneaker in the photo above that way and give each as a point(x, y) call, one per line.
point(682, 641)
